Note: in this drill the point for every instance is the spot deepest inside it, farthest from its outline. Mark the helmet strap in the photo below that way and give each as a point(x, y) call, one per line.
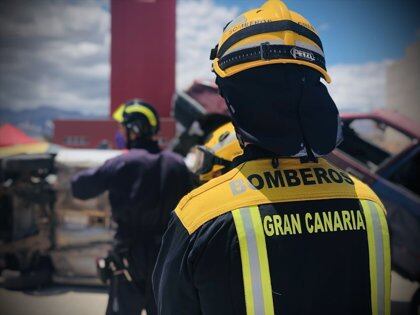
point(140, 142)
point(221, 161)
point(128, 138)
point(310, 155)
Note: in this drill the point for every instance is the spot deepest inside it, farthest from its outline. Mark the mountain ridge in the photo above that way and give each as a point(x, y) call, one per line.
point(38, 122)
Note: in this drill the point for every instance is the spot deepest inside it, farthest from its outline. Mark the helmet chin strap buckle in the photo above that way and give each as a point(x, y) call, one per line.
point(213, 52)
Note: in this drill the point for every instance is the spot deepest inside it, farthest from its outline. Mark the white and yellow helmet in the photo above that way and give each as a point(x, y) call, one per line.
point(216, 155)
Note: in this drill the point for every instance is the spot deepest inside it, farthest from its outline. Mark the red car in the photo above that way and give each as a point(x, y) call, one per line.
point(382, 149)
point(378, 147)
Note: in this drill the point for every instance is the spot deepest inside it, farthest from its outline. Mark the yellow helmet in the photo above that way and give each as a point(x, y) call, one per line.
point(216, 155)
point(133, 110)
point(271, 34)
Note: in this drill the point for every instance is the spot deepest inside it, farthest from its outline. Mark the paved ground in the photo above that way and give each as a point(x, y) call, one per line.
point(58, 300)
point(73, 300)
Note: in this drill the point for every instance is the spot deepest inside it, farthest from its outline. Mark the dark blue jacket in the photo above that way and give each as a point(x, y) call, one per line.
point(143, 189)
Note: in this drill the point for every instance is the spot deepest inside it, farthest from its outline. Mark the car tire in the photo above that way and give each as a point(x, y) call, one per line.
point(39, 274)
point(28, 280)
point(415, 303)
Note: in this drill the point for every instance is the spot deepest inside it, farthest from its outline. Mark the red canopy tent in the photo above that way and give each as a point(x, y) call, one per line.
point(10, 135)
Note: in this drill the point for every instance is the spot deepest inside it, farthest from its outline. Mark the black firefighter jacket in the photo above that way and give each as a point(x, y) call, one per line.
point(143, 189)
point(293, 238)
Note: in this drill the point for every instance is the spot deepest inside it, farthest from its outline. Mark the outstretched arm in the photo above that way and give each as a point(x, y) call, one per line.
point(92, 182)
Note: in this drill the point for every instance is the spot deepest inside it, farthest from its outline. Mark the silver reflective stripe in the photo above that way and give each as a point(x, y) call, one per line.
point(380, 270)
point(239, 20)
point(254, 261)
point(314, 48)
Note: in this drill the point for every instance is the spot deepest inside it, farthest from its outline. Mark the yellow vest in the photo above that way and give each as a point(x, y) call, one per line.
point(257, 182)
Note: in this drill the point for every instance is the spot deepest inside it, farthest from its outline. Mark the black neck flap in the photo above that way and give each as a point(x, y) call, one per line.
point(283, 109)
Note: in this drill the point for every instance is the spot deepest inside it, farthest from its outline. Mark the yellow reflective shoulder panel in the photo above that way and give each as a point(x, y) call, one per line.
point(206, 188)
point(379, 257)
point(257, 182)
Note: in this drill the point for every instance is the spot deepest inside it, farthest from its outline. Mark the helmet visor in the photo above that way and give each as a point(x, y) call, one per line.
point(205, 160)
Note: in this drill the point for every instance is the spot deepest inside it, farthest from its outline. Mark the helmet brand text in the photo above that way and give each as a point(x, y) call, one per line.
point(301, 54)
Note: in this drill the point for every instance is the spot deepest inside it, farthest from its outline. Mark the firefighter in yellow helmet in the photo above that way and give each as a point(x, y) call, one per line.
point(284, 231)
point(144, 184)
point(140, 122)
point(214, 158)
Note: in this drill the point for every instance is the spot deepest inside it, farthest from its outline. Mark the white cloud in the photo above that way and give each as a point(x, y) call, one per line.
point(354, 87)
point(199, 26)
point(55, 53)
point(53, 19)
point(358, 86)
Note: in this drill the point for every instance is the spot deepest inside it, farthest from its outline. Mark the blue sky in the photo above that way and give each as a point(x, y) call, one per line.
point(57, 51)
point(356, 31)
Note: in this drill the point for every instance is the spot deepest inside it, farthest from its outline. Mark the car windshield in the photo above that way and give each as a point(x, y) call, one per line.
point(372, 142)
point(408, 173)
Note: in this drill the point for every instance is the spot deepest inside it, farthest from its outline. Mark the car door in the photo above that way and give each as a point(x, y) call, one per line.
point(398, 181)
point(399, 189)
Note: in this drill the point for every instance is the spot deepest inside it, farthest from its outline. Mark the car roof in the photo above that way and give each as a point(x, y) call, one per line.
point(390, 117)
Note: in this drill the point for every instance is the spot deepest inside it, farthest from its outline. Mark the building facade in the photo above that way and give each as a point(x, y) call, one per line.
point(142, 66)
